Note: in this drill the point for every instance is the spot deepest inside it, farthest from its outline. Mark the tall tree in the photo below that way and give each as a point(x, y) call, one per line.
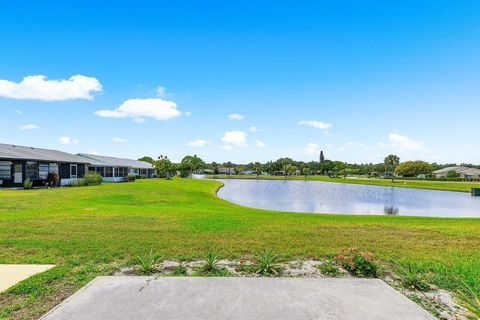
point(258, 168)
point(193, 163)
point(165, 168)
point(391, 162)
point(147, 159)
point(305, 170)
point(229, 165)
point(322, 157)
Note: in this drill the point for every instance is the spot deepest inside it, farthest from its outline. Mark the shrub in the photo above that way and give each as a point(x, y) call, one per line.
point(27, 184)
point(470, 300)
point(412, 279)
point(77, 183)
point(52, 180)
point(329, 268)
point(147, 262)
point(358, 263)
point(92, 179)
point(267, 263)
point(131, 178)
point(211, 263)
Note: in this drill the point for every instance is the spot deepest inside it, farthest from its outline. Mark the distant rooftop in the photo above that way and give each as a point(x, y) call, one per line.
point(458, 169)
point(105, 161)
point(14, 152)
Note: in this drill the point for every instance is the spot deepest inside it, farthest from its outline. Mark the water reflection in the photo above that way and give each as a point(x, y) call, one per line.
point(325, 197)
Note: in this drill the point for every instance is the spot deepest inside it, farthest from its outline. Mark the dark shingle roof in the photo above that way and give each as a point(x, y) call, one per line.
point(14, 152)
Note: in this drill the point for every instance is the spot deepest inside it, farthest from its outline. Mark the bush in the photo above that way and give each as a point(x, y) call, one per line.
point(412, 279)
point(359, 264)
point(27, 184)
point(77, 183)
point(92, 179)
point(52, 180)
point(131, 178)
point(267, 263)
point(329, 268)
point(147, 263)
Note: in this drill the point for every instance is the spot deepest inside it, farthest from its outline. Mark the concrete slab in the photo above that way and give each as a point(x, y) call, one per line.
point(11, 274)
point(236, 298)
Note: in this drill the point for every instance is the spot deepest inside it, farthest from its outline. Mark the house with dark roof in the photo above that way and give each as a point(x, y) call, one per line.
point(117, 169)
point(18, 163)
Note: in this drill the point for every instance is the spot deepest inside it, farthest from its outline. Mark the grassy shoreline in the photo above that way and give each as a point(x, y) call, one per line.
point(93, 231)
point(418, 184)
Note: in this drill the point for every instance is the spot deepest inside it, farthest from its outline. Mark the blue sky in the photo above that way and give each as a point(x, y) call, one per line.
point(358, 80)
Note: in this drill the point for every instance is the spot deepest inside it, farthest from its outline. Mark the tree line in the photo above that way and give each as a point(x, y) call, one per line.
point(390, 167)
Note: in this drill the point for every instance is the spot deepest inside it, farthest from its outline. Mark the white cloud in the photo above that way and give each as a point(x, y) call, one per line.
point(68, 140)
point(260, 144)
point(200, 143)
point(139, 109)
point(38, 87)
point(311, 149)
point(20, 112)
point(119, 140)
point(235, 116)
point(188, 113)
point(29, 126)
point(254, 129)
point(316, 124)
point(234, 139)
point(403, 143)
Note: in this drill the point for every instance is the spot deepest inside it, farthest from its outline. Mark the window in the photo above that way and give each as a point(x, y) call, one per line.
point(32, 170)
point(73, 171)
point(108, 172)
point(99, 170)
point(53, 168)
point(121, 172)
point(43, 171)
point(5, 170)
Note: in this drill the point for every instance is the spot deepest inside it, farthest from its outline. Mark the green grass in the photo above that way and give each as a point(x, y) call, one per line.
point(92, 231)
point(419, 184)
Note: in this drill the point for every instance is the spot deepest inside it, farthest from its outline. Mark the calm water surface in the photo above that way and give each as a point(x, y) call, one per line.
point(328, 197)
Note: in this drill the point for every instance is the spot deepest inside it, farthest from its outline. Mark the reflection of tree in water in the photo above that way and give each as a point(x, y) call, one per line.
point(390, 210)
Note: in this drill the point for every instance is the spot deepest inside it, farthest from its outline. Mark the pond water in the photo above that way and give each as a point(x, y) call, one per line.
point(328, 197)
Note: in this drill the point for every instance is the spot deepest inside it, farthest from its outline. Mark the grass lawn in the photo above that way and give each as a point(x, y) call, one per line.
point(92, 231)
point(420, 184)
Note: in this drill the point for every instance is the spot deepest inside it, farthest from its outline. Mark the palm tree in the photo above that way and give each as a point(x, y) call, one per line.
point(391, 162)
point(305, 170)
point(257, 168)
point(229, 166)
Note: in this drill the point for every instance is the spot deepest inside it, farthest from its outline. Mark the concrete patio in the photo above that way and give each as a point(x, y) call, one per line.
point(236, 298)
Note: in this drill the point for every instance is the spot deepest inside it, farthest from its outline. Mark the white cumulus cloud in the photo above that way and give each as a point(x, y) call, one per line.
point(200, 143)
point(29, 126)
point(316, 124)
point(403, 143)
point(234, 139)
point(235, 116)
point(139, 109)
point(119, 140)
point(260, 144)
point(38, 87)
point(68, 140)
